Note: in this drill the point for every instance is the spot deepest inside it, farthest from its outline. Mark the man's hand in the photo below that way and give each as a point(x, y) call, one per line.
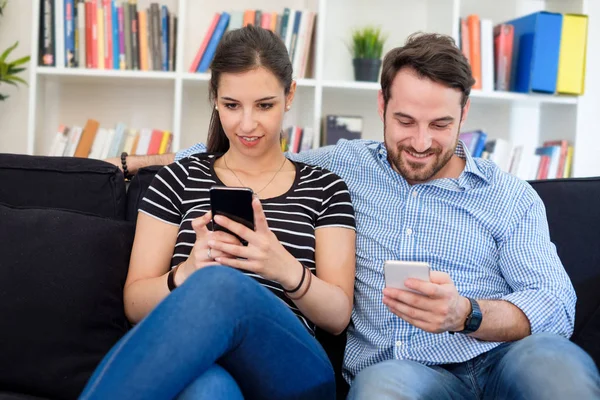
point(436, 308)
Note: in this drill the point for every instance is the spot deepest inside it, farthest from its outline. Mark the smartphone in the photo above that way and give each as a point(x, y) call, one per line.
point(234, 203)
point(397, 272)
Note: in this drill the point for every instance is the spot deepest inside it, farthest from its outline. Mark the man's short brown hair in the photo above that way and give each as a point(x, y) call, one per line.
point(430, 55)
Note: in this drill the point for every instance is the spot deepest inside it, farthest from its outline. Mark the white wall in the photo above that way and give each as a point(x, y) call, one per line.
point(15, 25)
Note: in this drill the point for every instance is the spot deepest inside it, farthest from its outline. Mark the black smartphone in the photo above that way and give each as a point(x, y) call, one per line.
point(234, 203)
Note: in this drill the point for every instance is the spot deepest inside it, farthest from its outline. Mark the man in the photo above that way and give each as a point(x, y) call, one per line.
point(495, 318)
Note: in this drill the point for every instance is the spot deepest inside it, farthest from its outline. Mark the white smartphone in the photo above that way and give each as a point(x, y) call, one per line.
point(397, 272)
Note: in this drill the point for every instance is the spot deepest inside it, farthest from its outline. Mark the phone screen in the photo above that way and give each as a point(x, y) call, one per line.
point(234, 203)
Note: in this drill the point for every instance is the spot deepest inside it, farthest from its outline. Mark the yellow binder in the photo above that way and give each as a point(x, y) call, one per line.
point(571, 62)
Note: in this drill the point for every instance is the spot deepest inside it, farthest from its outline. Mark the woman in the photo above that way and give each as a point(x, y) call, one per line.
point(240, 320)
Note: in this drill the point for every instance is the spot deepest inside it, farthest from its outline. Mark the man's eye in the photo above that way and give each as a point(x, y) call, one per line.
point(405, 123)
point(436, 126)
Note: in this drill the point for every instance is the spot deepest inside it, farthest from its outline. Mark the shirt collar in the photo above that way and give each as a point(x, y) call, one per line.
point(462, 151)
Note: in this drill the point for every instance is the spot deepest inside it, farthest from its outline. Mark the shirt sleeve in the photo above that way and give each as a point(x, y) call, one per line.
point(163, 199)
point(531, 266)
point(320, 157)
point(197, 148)
point(337, 209)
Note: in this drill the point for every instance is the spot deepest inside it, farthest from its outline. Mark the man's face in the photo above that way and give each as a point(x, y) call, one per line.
point(421, 126)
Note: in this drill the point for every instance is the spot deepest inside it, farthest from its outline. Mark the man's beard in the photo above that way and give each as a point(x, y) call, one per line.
point(419, 172)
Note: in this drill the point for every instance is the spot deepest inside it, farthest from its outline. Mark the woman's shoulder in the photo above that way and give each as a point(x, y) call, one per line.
point(316, 174)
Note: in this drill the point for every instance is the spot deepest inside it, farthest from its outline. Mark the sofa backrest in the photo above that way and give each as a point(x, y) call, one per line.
point(574, 223)
point(67, 183)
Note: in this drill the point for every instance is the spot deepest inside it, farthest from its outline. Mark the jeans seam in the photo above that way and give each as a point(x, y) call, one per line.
point(471, 369)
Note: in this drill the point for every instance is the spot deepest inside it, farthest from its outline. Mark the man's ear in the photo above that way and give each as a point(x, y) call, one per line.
point(465, 112)
point(381, 105)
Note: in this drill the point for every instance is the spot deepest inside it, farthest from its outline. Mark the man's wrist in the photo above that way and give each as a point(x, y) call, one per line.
point(464, 312)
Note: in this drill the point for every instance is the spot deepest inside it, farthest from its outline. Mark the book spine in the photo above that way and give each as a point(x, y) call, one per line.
point(164, 37)
point(122, 60)
point(115, 35)
point(81, 35)
point(135, 53)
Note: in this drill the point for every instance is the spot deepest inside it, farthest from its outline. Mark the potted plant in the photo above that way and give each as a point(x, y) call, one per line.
point(366, 49)
point(10, 69)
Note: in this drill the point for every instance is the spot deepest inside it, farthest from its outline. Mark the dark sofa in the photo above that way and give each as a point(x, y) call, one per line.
point(66, 230)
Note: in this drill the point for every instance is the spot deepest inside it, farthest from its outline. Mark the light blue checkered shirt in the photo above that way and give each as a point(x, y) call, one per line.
point(487, 229)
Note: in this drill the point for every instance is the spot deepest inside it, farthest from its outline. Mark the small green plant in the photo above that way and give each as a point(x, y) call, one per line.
point(10, 69)
point(367, 43)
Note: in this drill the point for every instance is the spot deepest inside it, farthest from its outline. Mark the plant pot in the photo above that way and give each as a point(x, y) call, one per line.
point(366, 69)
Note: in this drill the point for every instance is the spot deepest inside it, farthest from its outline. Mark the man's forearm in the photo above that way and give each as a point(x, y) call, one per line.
point(502, 322)
point(135, 163)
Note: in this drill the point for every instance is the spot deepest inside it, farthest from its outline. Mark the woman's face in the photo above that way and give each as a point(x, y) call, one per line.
point(251, 108)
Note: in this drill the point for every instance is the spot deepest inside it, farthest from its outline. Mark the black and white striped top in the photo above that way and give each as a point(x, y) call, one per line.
point(318, 198)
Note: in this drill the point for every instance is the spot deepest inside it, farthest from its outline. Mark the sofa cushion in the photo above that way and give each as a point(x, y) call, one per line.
point(62, 275)
point(70, 183)
point(574, 221)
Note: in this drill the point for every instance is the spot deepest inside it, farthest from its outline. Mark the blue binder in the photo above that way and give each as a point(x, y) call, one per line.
point(535, 52)
point(214, 41)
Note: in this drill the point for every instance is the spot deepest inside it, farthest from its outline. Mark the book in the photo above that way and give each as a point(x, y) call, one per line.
point(474, 26)
point(536, 48)
point(339, 127)
point(572, 56)
point(214, 41)
point(504, 35)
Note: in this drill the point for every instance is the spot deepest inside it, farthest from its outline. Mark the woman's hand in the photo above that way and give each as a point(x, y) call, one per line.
point(264, 255)
point(200, 255)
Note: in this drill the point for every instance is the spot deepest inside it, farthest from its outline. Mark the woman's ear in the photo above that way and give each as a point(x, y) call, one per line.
point(290, 96)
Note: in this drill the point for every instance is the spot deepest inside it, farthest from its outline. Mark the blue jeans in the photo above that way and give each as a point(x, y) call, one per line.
point(541, 366)
point(218, 336)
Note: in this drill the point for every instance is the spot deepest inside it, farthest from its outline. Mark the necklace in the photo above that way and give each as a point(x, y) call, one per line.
point(242, 183)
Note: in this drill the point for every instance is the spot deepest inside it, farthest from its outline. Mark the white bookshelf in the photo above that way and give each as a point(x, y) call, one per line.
point(178, 101)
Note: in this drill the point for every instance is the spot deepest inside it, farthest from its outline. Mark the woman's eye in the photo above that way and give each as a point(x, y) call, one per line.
point(265, 106)
point(231, 106)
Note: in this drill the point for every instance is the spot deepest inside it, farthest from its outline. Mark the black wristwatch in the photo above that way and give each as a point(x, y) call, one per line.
point(474, 318)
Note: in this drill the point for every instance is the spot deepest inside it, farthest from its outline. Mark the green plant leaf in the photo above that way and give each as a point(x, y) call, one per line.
point(7, 52)
point(12, 79)
point(22, 60)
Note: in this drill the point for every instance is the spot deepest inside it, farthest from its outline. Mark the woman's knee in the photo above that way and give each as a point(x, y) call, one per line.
point(220, 288)
point(214, 384)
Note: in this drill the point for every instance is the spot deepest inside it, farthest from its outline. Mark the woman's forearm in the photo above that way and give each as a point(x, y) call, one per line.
point(142, 296)
point(325, 304)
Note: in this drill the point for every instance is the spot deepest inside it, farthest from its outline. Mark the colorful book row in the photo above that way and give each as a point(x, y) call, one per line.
point(553, 159)
point(540, 52)
point(294, 27)
point(92, 141)
point(107, 34)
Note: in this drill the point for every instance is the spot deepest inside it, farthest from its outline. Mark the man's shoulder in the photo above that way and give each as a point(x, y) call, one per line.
point(362, 150)
point(504, 184)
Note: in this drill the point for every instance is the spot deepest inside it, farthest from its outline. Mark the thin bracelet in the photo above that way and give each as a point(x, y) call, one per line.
point(305, 290)
point(301, 282)
point(171, 278)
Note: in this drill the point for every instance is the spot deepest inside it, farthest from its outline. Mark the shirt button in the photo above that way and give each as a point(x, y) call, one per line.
point(415, 194)
point(381, 152)
point(409, 231)
point(398, 343)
